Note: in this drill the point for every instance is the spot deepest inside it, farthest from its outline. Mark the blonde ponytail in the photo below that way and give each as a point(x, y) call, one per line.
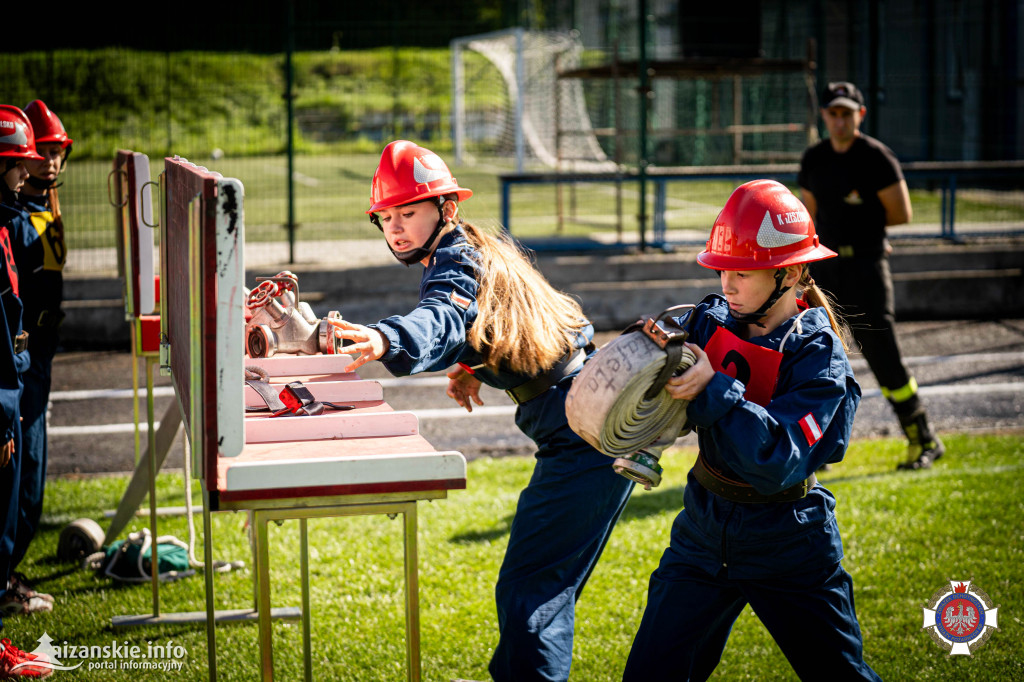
point(815, 297)
point(523, 323)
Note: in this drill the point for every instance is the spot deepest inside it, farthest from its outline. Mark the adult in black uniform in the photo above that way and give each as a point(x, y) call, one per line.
point(854, 188)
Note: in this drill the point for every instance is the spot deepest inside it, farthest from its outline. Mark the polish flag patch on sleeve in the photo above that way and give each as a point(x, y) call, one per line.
point(812, 432)
point(459, 300)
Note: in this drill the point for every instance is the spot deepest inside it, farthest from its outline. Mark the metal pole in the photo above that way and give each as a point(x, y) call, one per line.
point(458, 106)
point(135, 333)
point(506, 205)
point(154, 554)
point(263, 599)
point(873, 69)
point(307, 646)
point(211, 608)
point(412, 599)
point(645, 94)
point(289, 98)
point(520, 78)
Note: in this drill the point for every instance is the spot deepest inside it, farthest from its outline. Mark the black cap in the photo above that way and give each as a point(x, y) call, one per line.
point(842, 94)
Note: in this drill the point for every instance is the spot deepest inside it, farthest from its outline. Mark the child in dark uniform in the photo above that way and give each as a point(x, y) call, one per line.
point(40, 252)
point(17, 145)
point(485, 308)
point(756, 527)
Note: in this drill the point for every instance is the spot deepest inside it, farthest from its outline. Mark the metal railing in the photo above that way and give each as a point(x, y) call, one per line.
point(1002, 182)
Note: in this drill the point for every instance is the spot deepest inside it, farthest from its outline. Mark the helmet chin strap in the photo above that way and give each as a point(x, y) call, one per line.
point(759, 314)
point(40, 183)
point(408, 258)
point(7, 195)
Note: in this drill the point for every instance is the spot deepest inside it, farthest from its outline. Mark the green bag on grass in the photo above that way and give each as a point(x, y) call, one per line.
point(130, 560)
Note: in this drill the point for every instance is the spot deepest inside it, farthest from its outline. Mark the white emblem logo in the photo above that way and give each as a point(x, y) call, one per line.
point(18, 137)
point(770, 237)
point(960, 617)
point(429, 171)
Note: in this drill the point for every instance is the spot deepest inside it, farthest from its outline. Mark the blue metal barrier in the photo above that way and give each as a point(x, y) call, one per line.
point(946, 173)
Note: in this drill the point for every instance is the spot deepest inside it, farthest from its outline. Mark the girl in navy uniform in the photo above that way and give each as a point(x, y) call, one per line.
point(772, 400)
point(17, 145)
point(487, 311)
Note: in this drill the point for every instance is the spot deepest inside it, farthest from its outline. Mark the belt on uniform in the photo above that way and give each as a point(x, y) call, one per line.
point(569, 363)
point(50, 318)
point(20, 342)
point(738, 491)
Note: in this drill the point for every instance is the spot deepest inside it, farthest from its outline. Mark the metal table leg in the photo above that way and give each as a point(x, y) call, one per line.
point(263, 597)
point(412, 595)
point(260, 521)
point(211, 621)
point(307, 648)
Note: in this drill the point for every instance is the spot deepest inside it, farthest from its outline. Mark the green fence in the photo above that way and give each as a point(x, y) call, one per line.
point(228, 112)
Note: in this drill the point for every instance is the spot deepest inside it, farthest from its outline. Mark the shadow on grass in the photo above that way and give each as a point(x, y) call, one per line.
point(641, 505)
point(488, 535)
point(68, 569)
point(646, 503)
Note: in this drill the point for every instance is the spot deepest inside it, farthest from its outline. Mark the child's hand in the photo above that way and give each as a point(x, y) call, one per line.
point(6, 452)
point(463, 387)
point(690, 383)
point(369, 343)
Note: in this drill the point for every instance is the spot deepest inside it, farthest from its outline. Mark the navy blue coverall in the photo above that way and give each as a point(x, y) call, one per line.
point(565, 514)
point(39, 250)
point(11, 367)
point(783, 558)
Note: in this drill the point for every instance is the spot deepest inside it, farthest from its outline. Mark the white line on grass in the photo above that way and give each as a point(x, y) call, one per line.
point(509, 410)
point(436, 381)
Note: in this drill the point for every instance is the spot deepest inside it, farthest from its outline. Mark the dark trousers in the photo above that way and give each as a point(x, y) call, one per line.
point(863, 289)
point(690, 615)
point(34, 399)
point(563, 521)
point(9, 477)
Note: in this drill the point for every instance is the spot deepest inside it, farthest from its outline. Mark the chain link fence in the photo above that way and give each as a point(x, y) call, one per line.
point(230, 111)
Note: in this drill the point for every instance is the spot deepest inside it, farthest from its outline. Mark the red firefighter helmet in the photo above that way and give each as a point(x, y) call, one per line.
point(46, 125)
point(16, 137)
point(762, 226)
point(408, 173)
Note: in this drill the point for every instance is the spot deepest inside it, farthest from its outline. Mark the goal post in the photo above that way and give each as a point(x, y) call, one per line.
point(508, 100)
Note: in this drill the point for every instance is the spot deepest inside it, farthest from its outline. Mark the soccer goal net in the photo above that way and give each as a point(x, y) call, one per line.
point(508, 102)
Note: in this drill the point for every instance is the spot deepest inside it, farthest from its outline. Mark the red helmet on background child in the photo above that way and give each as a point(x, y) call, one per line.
point(762, 226)
point(408, 173)
point(17, 141)
point(46, 125)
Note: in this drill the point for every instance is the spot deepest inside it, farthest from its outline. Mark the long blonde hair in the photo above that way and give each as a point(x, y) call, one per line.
point(813, 295)
point(523, 323)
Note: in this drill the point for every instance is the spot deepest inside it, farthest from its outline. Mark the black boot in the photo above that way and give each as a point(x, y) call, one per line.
point(923, 446)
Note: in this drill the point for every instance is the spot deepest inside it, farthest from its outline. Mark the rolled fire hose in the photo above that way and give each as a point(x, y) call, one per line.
point(618, 404)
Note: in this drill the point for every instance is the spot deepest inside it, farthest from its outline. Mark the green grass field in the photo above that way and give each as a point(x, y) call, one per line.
point(906, 535)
